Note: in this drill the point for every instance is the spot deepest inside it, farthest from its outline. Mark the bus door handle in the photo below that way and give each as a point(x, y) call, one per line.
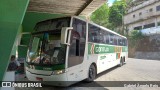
point(81, 71)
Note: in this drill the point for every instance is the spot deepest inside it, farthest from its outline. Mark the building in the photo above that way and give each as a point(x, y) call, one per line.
point(143, 15)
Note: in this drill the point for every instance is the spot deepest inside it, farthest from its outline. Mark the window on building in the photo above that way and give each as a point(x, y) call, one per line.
point(138, 28)
point(140, 13)
point(149, 25)
point(158, 23)
point(134, 16)
point(147, 11)
point(158, 8)
point(151, 9)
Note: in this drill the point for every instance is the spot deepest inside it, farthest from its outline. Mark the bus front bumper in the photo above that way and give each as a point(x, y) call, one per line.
point(55, 80)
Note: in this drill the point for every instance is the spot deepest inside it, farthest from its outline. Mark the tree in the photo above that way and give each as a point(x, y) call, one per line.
point(110, 17)
point(116, 12)
point(100, 16)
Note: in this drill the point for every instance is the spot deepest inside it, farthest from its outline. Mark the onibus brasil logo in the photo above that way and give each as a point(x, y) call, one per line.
point(21, 84)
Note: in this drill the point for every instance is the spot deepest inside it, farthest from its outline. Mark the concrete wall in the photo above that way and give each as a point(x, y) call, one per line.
point(146, 48)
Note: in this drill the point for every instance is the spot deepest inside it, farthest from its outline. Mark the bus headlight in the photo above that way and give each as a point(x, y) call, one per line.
point(56, 72)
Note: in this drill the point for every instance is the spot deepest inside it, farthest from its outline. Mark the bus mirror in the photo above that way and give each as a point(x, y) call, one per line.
point(65, 35)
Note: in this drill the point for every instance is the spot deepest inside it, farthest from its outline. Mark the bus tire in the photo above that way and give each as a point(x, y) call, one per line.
point(121, 62)
point(91, 74)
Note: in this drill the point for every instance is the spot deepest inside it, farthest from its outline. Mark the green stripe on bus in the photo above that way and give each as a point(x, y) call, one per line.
point(102, 49)
point(124, 49)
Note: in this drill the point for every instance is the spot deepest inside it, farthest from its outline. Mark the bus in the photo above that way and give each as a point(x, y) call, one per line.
point(71, 49)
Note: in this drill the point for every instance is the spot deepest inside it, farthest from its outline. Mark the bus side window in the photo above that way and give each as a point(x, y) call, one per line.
point(111, 39)
point(94, 34)
point(97, 35)
point(115, 40)
point(123, 42)
point(106, 37)
point(101, 36)
point(118, 40)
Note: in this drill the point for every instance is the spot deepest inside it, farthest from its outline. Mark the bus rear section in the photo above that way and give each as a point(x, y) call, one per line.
point(108, 48)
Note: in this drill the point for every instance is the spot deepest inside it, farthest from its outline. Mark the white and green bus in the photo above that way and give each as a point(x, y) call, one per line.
point(72, 49)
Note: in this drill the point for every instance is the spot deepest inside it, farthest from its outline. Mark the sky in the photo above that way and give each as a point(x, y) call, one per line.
point(110, 2)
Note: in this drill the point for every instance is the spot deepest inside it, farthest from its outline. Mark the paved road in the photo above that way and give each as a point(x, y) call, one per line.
point(133, 70)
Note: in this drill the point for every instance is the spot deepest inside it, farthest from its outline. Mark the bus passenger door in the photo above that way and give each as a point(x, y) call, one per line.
point(76, 51)
point(73, 58)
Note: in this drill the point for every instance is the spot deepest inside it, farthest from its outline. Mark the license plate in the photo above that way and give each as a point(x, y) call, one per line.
point(39, 79)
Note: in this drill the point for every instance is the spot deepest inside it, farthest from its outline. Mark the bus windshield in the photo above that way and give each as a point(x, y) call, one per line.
point(46, 49)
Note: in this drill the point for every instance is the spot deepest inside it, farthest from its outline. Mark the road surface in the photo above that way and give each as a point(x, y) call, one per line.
point(133, 70)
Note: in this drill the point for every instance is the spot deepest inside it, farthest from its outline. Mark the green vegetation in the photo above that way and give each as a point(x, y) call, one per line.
point(100, 16)
point(136, 34)
point(134, 38)
point(110, 17)
point(116, 12)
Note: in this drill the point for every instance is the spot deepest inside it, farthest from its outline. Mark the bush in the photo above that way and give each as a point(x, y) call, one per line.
point(136, 34)
point(134, 37)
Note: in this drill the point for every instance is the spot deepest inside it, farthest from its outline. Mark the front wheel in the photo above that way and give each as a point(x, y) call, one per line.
point(91, 74)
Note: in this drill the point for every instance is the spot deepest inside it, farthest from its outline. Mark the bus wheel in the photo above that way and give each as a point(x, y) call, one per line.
point(91, 74)
point(121, 62)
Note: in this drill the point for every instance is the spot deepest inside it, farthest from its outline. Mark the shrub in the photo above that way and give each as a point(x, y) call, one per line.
point(136, 34)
